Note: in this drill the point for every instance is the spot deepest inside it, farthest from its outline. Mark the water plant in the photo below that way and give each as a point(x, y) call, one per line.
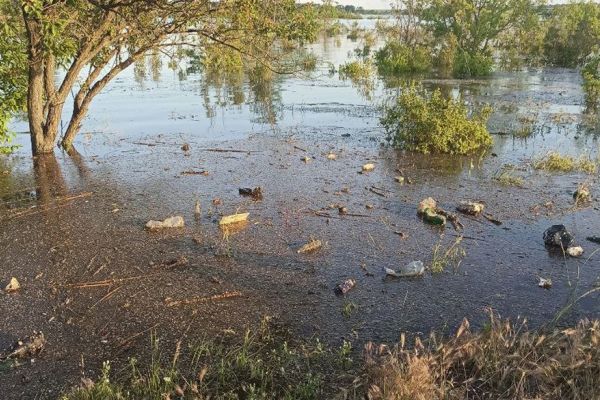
point(555, 162)
point(432, 123)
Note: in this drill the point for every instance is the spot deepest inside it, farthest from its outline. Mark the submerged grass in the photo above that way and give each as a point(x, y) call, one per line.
point(444, 257)
point(506, 176)
point(503, 360)
point(555, 162)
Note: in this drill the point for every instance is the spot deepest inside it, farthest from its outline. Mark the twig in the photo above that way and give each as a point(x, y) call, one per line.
point(219, 150)
point(107, 282)
point(61, 200)
point(129, 339)
point(105, 297)
point(376, 191)
point(200, 299)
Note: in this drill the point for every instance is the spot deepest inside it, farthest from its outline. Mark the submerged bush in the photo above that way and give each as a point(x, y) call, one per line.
point(472, 64)
point(397, 58)
point(431, 123)
point(591, 82)
point(356, 70)
point(573, 34)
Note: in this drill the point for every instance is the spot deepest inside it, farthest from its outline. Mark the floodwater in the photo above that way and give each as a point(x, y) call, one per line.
point(96, 283)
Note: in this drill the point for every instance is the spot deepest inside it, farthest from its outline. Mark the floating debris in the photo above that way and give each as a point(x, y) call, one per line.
point(545, 283)
point(428, 210)
point(412, 269)
point(255, 193)
point(194, 172)
point(234, 218)
point(427, 204)
point(343, 210)
point(306, 159)
point(171, 222)
point(575, 251)
point(345, 287)
point(401, 234)
point(433, 218)
point(26, 348)
point(311, 246)
point(558, 236)
point(400, 180)
point(594, 239)
point(582, 194)
point(331, 156)
point(470, 207)
point(185, 147)
point(12, 286)
point(197, 209)
point(368, 167)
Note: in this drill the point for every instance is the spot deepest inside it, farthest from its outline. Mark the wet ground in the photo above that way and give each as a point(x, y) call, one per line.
point(97, 284)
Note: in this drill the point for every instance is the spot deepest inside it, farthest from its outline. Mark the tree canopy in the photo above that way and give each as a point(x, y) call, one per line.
point(89, 42)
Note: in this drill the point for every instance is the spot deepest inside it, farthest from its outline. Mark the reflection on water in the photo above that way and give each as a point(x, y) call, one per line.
point(541, 110)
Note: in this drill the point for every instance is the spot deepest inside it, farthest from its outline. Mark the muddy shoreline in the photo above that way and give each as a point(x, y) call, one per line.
point(96, 283)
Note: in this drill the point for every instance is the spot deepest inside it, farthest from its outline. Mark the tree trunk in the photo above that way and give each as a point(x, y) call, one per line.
point(74, 126)
point(42, 139)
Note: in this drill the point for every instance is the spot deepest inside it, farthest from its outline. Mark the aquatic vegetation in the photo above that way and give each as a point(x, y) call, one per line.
point(431, 123)
point(507, 177)
point(349, 308)
point(356, 70)
point(504, 360)
point(591, 82)
point(444, 257)
point(555, 162)
point(468, 64)
point(397, 58)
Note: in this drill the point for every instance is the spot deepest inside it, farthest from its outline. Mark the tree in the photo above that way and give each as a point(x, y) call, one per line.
point(91, 41)
point(471, 29)
point(573, 34)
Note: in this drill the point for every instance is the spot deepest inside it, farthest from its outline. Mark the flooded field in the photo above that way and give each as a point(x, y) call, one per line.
point(96, 283)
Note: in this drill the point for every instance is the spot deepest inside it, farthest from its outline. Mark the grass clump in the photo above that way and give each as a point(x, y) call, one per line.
point(503, 361)
point(398, 58)
point(356, 70)
point(265, 364)
point(444, 257)
point(555, 162)
point(431, 123)
point(507, 177)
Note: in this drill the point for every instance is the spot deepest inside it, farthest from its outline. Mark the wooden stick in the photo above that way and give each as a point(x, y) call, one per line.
point(61, 200)
point(107, 282)
point(200, 299)
point(105, 297)
point(219, 150)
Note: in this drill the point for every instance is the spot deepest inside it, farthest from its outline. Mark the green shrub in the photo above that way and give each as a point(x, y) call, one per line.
point(573, 33)
point(591, 82)
point(431, 123)
point(356, 70)
point(398, 58)
point(468, 64)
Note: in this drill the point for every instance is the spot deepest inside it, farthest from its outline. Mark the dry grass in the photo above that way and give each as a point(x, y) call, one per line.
point(504, 361)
